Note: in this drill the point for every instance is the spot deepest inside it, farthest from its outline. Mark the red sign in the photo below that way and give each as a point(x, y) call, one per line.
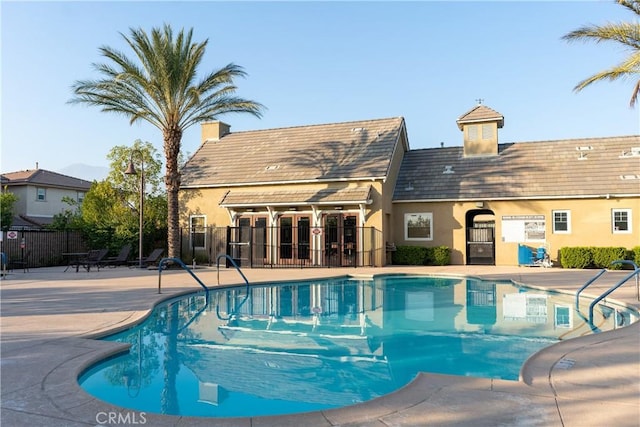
point(316, 231)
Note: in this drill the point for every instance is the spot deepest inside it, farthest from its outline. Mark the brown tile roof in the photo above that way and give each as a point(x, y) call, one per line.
point(298, 197)
point(480, 113)
point(328, 152)
point(544, 169)
point(44, 178)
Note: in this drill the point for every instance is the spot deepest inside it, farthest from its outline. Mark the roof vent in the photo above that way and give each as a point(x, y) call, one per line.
point(358, 129)
point(634, 152)
point(583, 151)
point(272, 167)
point(626, 177)
point(448, 169)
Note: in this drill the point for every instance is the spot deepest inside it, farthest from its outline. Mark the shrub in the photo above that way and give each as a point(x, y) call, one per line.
point(409, 255)
point(441, 255)
point(596, 257)
point(603, 257)
point(419, 255)
point(577, 257)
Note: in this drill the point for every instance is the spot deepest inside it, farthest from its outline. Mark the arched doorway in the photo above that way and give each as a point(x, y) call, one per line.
point(481, 237)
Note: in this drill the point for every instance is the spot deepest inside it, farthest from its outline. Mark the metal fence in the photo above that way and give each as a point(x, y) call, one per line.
point(257, 247)
point(272, 247)
point(41, 248)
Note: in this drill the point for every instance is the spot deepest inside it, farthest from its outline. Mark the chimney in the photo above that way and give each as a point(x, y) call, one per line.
point(213, 131)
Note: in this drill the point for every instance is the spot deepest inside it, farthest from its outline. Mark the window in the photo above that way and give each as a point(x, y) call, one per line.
point(418, 226)
point(487, 131)
point(472, 132)
point(197, 225)
point(561, 222)
point(41, 194)
point(80, 196)
point(621, 220)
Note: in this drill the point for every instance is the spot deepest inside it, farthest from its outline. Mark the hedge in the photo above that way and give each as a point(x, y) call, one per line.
point(597, 257)
point(420, 255)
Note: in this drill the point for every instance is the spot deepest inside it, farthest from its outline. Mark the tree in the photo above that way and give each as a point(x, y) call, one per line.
point(625, 33)
point(68, 219)
point(7, 200)
point(160, 87)
point(110, 207)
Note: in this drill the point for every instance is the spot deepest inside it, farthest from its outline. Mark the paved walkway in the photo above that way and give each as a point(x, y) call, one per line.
point(47, 317)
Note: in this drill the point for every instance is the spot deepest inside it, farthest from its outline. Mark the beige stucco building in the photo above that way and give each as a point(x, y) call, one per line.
point(343, 193)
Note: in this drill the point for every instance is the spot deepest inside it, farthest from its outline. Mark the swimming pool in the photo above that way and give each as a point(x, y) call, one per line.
point(293, 347)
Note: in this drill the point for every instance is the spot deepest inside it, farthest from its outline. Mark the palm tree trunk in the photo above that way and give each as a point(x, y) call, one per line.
point(172, 139)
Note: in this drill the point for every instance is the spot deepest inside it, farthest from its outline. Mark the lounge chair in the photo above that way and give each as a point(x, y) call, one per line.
point(94, 258)
point(20, 263)
point(121, 259)
point(151, 259)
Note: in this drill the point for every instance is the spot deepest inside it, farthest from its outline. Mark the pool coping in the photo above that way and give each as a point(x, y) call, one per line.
point(546, 394)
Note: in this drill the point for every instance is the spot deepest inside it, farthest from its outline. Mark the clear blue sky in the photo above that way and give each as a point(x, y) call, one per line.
point(322, 62)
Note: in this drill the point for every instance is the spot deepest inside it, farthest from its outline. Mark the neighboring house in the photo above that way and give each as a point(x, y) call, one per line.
point(317, 194)
point(40, 193)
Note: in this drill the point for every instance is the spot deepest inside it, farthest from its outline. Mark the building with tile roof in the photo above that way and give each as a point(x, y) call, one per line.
point(40, 193)
point(297, 181)
point(483, 199)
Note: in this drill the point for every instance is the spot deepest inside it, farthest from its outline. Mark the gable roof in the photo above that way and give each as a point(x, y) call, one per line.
point(355, 150)
point(43, 178)
point(480, 114)
point(529, 170)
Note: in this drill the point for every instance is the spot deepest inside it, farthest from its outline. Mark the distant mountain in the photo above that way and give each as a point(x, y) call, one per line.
point(86, 172)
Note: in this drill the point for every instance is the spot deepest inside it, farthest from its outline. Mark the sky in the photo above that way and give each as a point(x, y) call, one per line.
point(319, 62)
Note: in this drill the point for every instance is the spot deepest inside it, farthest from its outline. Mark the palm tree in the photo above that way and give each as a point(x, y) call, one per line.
point(161, 88)
point(625, 33)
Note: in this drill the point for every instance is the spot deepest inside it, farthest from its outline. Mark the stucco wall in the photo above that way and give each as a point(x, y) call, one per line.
point(591, 225)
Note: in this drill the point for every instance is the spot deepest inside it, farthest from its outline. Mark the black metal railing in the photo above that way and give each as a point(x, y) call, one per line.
point(41, 248)
point(264, 247)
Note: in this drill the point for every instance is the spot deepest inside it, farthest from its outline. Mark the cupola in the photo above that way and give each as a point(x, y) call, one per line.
point(480, 130)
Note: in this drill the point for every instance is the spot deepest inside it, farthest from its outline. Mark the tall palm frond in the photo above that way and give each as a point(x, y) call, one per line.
point(160, 85)
point(625, 33)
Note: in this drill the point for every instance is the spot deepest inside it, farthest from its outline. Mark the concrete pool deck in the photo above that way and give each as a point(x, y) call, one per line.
point(47, 316)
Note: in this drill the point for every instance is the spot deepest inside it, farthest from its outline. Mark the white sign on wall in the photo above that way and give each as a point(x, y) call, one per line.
point(523, 228)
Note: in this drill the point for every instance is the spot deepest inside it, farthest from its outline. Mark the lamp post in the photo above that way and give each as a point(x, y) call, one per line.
point(131, 170)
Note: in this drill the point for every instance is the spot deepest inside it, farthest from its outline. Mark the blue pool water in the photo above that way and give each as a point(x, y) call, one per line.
point(289, 348)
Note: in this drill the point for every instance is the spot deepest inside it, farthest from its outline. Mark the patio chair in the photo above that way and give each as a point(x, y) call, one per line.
point(22, 262)
point(94, 258)
point(121, 259)
point(151, 259)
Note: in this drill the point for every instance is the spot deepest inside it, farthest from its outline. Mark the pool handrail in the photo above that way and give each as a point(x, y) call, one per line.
point(184, 267)
point(246, 281)
point(604, 270)
point(614, 287)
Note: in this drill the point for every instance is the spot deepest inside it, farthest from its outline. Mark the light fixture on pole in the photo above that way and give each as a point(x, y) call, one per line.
point(131, 170)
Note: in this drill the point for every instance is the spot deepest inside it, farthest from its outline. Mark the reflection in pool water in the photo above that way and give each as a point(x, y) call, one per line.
point(288, 348)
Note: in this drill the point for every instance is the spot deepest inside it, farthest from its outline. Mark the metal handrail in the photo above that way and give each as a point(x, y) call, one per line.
point(184, 267)
point(604, 270)
point(614, 287)
point(235, 311)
